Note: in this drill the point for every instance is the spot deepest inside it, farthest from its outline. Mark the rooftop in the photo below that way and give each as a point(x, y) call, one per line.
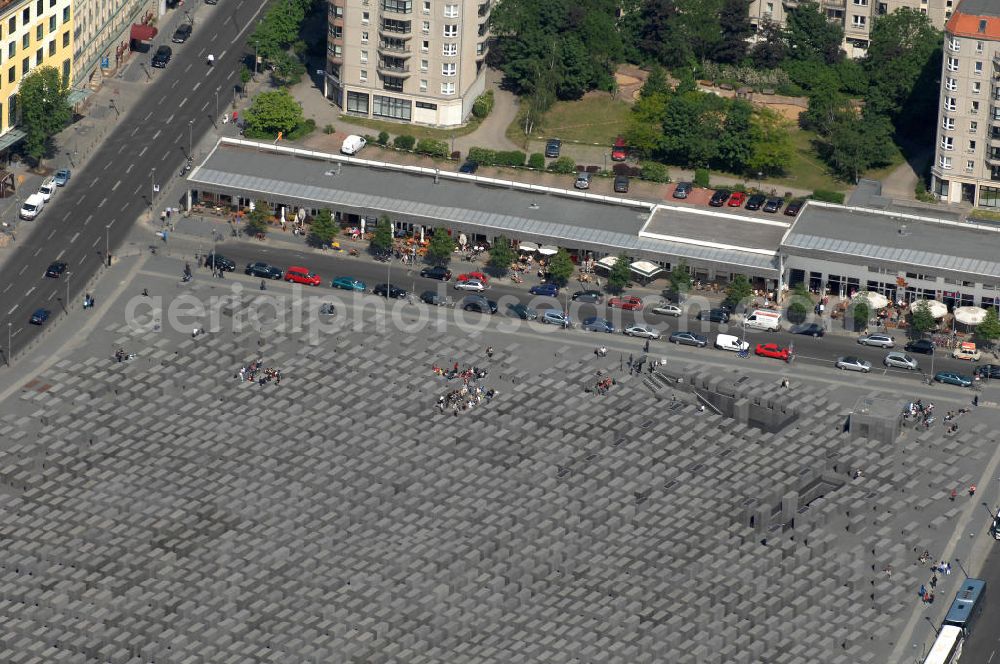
point(711, 228)
point(885, 237)
point(976, 19)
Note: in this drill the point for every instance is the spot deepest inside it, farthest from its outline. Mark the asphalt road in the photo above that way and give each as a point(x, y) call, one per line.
point(816, 351)
point(96, 209)
point(983, 647)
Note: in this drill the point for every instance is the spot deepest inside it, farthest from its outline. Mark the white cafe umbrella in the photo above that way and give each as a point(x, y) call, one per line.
point(528, 247)
point(876, 300)
point(462, 240)
point(282, 215)
point(548, 250)
point(607, 262)
point(645, 269)
point(421, 235)
point(937, 309)
point(970, 315)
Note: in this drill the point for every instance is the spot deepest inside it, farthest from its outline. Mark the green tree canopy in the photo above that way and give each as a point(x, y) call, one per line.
point(560, 268)
point(770, 50)
point(272, 112)
point(734, 19)
point(771, 143)
point(680, 278)
point(256, 223)
point(812, 36)
point(855, 145)
point(279, 28)
point(440, 246)
point(738, 291)
point(989, 329)
point(44, 101)
point(502, 256)
point(382, 237)
point(861, 313)
point(322, 229)
point(921, 318)
point(620, 275)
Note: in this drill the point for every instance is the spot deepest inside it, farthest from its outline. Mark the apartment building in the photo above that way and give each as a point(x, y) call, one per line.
point(420, 61)
point(967, 158)
point(101, 35)
point(855, 16)
point(32, 33)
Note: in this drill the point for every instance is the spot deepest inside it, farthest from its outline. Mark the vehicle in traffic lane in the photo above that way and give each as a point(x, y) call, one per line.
point(628, 303)
point(470, 285)
point(439, 272)
point(220, 262)
point(900, 360)
point(990, 371)
point(877, 340)
point(478, 276)
point(810, 329)
point(55, 270)
point(479, 303)
point(40, 316)
point(643, 332)
point(550, 290)
point(301, 275)
point(597, 324)
point(966, 351)
point(162, 56)
point(852, 363)
point(591, 296)
point(263, 270)
point(714, 315)
point(348, 283)
point(553, 317)
point(667, 309)
point(774, 350)
point(388, 290)
point(953, 378)
point(182, 33)
point(685, 338)
point(433, 298)
point(731, 342)
point(924, 346)
point(522, 311)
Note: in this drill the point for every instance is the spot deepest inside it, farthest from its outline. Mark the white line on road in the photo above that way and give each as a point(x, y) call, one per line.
point(103, 201)
point(992, 652)
point(184, 101)
point(164, 157)
point(215, 37)
point(124, 207)
point(12, 310)
point(51, 233)
point(129, 169)
point(30, 291)
point(205, 106)
point(52, 295)
point(137, 189)
point(95, 242)
point(135, 131)
point(87, 220)
point(188, 68)
point(17, 332)
point(115, 186)
point(58, 257)
point(73, 239)
point(170, 119)
point(121, 149)
point(174, 84)
point(222, 55)
point(157, 134)
point(107, 165)
point(143, 151)
point(66, 216)
point(37, 251)
point(148, 116)
point(23, 268)
point(7, 289)
point(194, 89)
point(163, 100)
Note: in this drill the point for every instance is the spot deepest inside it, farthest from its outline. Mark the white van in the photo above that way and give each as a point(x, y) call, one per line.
point(353, 144)
point(730, 342)
point(763, 320)
point(48, 189)
point(32, 206)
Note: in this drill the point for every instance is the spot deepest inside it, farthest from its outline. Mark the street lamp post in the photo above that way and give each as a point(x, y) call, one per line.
point(190, 139)
point(216, 105)
point(959, 561)
point(66, 306)
point(9, 351)
point(152, 192)
point(107, 244)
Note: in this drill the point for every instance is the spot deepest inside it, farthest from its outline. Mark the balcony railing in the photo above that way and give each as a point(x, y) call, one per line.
point(393, 48)
point(993, 158)
point(395, 29)
point(484, 8)
point(393, 67)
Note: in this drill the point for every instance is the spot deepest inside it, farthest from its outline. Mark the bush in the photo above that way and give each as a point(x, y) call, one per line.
point(328, 129)
point(564, 165)
point(922, 194)
point(701, 178)
point(828, 196)
point(302, 129)
point(483, 105)
point(383, 138)
point(536, 161)
point(482, 156)
point(655, 172)
point(511, 158)
point(431, 147)
point(404, 142)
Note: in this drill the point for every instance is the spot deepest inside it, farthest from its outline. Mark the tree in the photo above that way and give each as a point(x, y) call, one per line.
point(680, 279)
point(770, 49)
point(658, 36)
point(826, 105)
point(921, 318)
point(698, 23)
point(861, 313)
point(620, 275)
point(560, 268)
point(440, 247)
point(801, 302)
point(44, 101)
point(381, 241)
point(855, 146)
point(812, 36)
point(278, 29)
point(771, 144)
point(323, 229)
point(272, 112)
point(735, 142)
point(738, 291)
point(989, 329)
point(502, 256)
point(256, 223)
point(734, 19)
point(901, 45)
point(656, 82)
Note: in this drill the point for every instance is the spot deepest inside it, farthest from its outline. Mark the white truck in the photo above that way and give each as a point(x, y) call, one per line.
point(352, 144)
point(761, 319)
point(32, 206)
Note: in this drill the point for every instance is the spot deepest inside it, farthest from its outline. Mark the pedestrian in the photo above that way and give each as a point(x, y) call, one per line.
point(975, 400)
point(972, 490)
point(954, 494)
point(145, 292)
point(645, 347)
point(923, 591)
point(934, 581)
point(489, 352)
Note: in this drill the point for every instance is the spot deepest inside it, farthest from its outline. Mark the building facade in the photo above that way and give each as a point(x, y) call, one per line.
point(855, 16)
point(101, 36)
point(967, 156)
point(420, 61)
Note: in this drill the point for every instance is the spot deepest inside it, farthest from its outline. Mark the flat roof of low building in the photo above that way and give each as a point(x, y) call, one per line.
point(714, 228)
point(863, 237)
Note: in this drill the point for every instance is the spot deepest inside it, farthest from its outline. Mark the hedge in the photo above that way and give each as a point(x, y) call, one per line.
point(655, 172)
point(828, 196)
point(431, 147)
point(404, 142)
point(482, 156)
point(701, 178)
point(483, 105)
point(536, 161)
point(564, 165)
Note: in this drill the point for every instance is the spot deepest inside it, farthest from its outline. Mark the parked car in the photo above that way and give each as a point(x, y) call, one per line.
point(667, 309)
point(772, 205)
point(966, 351)
point(583, 179)
point(794, 208)
point(553, 317)
point(714, 315)
point(629, 303)
point(301, 275)
point(388, 290)
point(682, 190)
point(469, 167)
point(689, 339)
point(731, 342)
point(642, 331)
point(161, 57)
point(597, 324)
point(900, 360)
point(348, 283)
point(470, 285)
point(433, 298)
point(48, 189)
point(773, 350)
point(522, 311)
point(924, 346)
point(756, 201)
point(953, 378)
point(353, 144)
point(621, 184)
point(550, 290)
point(263, 270)
point(592, 296)
point(55, 270)
point(40, 316)
point(809, 329)
point(552, 147)
point(619, 151)
point(480, 304)
point(62, 176)
point(851, 363)
point(220, 262)
point(719, 198)
point(990, 371)
point(182, 33)
point(439, 272)
point(878, 340)
point(478, 276)
point(737, 199)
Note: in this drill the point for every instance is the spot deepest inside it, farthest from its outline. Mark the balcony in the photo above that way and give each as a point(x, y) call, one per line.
point(403, 7)
point(482, 50)
point(394, 68)
point(993, 158)
point(391, 27)
point(484, 8)
point(390, 47)
point(334, 55)
point(994, 138)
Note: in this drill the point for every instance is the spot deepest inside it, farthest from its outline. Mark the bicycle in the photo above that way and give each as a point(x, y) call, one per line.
point(743, 353)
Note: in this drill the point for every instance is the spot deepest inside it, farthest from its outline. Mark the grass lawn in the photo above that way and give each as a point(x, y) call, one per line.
point(594, 119)
point(416, 131)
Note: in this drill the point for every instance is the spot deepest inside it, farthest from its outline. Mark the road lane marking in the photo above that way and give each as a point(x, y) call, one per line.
point(23, 268)
point(17, 332)
point(7, 289)
point(171, 118)
point(51, 233)
point(57, 257)
point(87, 220)
point(163, 100)
point(121, 149)
point(157, 134)
point(222, 55)
point(188, 68)
point(73, 239)
point(148, 116)
point(12, 310)
point(144, 148)
point(95, 242)
point(115, 186)
point(205, 106)
point(214, 38)
point(194, 89)
point(174, 84)
point(30, 291)
point(129, 169)
point(107, 165)
point(124, 207)
point(137, 190)
point(38, 251)
point(184, 101)
point(103, 201)
point(135, 131)
point(66, 216)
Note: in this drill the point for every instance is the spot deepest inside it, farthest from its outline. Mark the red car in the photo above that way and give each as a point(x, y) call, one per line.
point(301, 275)
point(630, 303)
point(619, 151)
point(737, 199)
point(478, 276)
point(773, 350)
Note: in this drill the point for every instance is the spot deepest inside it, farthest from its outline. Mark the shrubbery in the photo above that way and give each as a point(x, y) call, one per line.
point(701, 178)
point(483, 105)
point(404, 142)
point(536, 161)
point(563, 165)
point(828, 196)
point(432, 148)
point(655, 172)
point(383, 138)
point(486, 157)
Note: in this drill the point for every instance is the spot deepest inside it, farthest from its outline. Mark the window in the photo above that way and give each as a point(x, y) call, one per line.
point(950, 104)
point(974, 108)
point(947, 143)
point(12, 74)
point(970, 165)
point(973, 126)
point(979, 47)
point(391, 107)
point(11, 49)
point(954, 44)
point(451, 11)
point(393, 83)
point(423, 87)
point(428, 106)
point(448, 68)
point(365, 17)
point(947, 123)
point(25, 40)
point(52, 47)
point(447, 88)
point(861, 3)
point(944, 162)
point(66, 38)
point(978, 68)
point(65, 14)
point(357, 102)
point(364, 57)
point(972, 146)
point(952, 64)
point(26, 16)
point(398, 6)
point(52, 24)
point(425, 27)
point(976, 87)
point(425, 46)
point(25, 66)
point(951, 84)
point(449, 48)
point(363, 75)
point(427, 6)
point(12, 25)
point(389, 25)
point(39, 32)
point(423, 65)
point(451, 30)
point(65, 68)
point(12, 110)
point(364, 36)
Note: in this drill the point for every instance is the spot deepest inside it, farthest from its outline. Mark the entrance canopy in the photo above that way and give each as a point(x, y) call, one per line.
point(548, 250)
point(527, 247)
point(645, 268)
point(142, 32)
point(607, 262)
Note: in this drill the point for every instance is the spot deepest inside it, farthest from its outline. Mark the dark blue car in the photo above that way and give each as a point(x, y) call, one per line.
point(40, 316)
point(545, 289)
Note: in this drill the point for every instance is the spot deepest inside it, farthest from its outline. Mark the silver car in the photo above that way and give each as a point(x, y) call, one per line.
point(643, 331)
point(667, 309)
point(851, 363)
point(880, 340)
point(900, 361)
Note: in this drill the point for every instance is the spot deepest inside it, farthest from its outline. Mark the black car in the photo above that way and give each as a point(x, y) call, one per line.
point(920, 346)
point(40, 316)
point(264, 271)
point(522, 311)
point(720, 197)
point(755, 201)
point(811, 329)
point(55, 270)
point(772, 205)
point(182, 33)
point(433, 298)
point(714, 315)
point(793, 208)
point(682, 190)
point(220, 262)
point(439, 272)
point(162, 57)
point(621, 184)
point(469, 167)
point(552, 147)
point(480, 304)
point(592, 296)
point(991, 371)
point(388, 290)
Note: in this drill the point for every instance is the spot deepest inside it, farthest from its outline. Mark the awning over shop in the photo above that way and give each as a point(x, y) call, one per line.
point(142, 32)
point(607, 262)
point(970, 315)
point(10, 138)
point(528, 247)
point(76, 96)
point(645, 268)
point(548, 250)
